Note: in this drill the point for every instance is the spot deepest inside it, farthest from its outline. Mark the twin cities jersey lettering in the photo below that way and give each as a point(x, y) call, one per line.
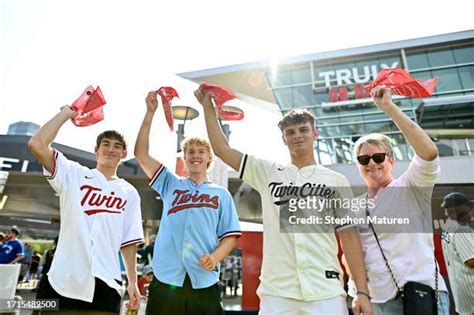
point(195, 218)
point(98, 217)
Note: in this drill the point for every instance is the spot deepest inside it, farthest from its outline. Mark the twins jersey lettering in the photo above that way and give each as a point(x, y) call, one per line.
point(458, 247)
point(296, 265)
point(98, 217)
point(195, 218)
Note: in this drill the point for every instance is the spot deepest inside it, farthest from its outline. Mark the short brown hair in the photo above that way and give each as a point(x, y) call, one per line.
point(113, 135)
point(200, 142)
point(374, 139)
point(296, 116)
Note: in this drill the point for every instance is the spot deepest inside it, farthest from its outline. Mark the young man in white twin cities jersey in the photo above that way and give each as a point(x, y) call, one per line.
point(100, 216)
point(199, 227)
point(300, 271)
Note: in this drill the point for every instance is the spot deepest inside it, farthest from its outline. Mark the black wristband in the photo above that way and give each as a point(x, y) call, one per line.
point(364, 293)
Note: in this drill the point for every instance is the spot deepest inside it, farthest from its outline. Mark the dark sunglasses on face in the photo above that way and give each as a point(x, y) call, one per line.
point(377, 157)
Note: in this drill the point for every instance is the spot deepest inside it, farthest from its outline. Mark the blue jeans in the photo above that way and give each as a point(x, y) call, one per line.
point(395, 307)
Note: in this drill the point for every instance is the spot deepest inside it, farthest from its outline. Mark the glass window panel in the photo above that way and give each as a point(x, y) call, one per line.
point(320, 98)
point(283, 98)
point(441, 58)
point(467, 77)
point(344, 65)
point(322, 68)
point(404, 103)
point(376, 116)
point(329, 131)
point(269, 77)
point(282, 77)
point(353, 129)
point(448, 80)
point(302, 96)
point(417, 61)
point(381, 127)
point(390, 61)
point(322, 152)
point(301, 75)
point(464, 54)
point(424, 75)
point(350, 119)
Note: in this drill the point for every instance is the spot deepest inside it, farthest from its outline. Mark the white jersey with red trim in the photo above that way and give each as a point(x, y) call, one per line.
point(98, 217)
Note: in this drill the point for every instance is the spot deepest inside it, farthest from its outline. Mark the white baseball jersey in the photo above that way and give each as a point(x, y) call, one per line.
point(98, 217)
point(302, 265)
point(458, 247)
point(410, 255)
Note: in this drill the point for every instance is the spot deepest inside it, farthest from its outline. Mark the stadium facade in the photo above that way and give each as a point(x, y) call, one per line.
point(331, 85)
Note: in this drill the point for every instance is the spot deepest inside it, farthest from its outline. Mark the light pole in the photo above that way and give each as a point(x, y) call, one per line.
point(219, 173)
point(226, 127)
point(182, 112)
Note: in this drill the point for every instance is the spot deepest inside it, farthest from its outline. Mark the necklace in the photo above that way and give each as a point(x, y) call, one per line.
point(310, 175)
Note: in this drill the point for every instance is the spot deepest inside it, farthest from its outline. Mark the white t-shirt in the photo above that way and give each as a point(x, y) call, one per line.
point(297, 265)
point(410, 255)
point(98, 217)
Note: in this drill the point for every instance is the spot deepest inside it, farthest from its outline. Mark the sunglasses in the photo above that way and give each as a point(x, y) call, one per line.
point(377, 157)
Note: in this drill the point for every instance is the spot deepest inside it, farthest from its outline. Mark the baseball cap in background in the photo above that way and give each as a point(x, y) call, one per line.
point(455, 199)
point(15, 229)
point(147, 270)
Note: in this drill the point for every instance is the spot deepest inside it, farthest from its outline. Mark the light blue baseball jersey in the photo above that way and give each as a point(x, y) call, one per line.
point(195, 218)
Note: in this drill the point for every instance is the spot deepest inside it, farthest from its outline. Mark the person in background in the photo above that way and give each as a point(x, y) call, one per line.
point(34, 265)
point(149, 247)
point(458, 250)
point(11, 250)
point(145, 279)
point(25, 263)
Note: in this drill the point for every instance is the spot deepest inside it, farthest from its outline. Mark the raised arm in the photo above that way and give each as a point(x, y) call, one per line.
point(424, 147)
point(40, 143)
point(142, 145)
point(219, 142)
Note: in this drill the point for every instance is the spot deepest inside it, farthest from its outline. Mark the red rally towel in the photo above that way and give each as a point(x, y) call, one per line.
point(401, 82)
point(167, 94)
point(89, 106)
point(221, 95)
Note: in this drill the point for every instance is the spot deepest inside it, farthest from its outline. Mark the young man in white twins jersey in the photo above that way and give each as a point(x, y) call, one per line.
point(100, 216)
point(300, 271)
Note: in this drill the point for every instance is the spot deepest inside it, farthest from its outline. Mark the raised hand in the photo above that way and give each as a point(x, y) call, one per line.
point(382, 98)
point(152, 101)
point(203, 97)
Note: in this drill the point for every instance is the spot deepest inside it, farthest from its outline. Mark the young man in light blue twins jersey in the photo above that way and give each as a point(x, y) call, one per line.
point(199, 227)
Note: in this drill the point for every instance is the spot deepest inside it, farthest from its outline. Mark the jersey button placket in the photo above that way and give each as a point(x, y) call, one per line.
point(300, 251)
